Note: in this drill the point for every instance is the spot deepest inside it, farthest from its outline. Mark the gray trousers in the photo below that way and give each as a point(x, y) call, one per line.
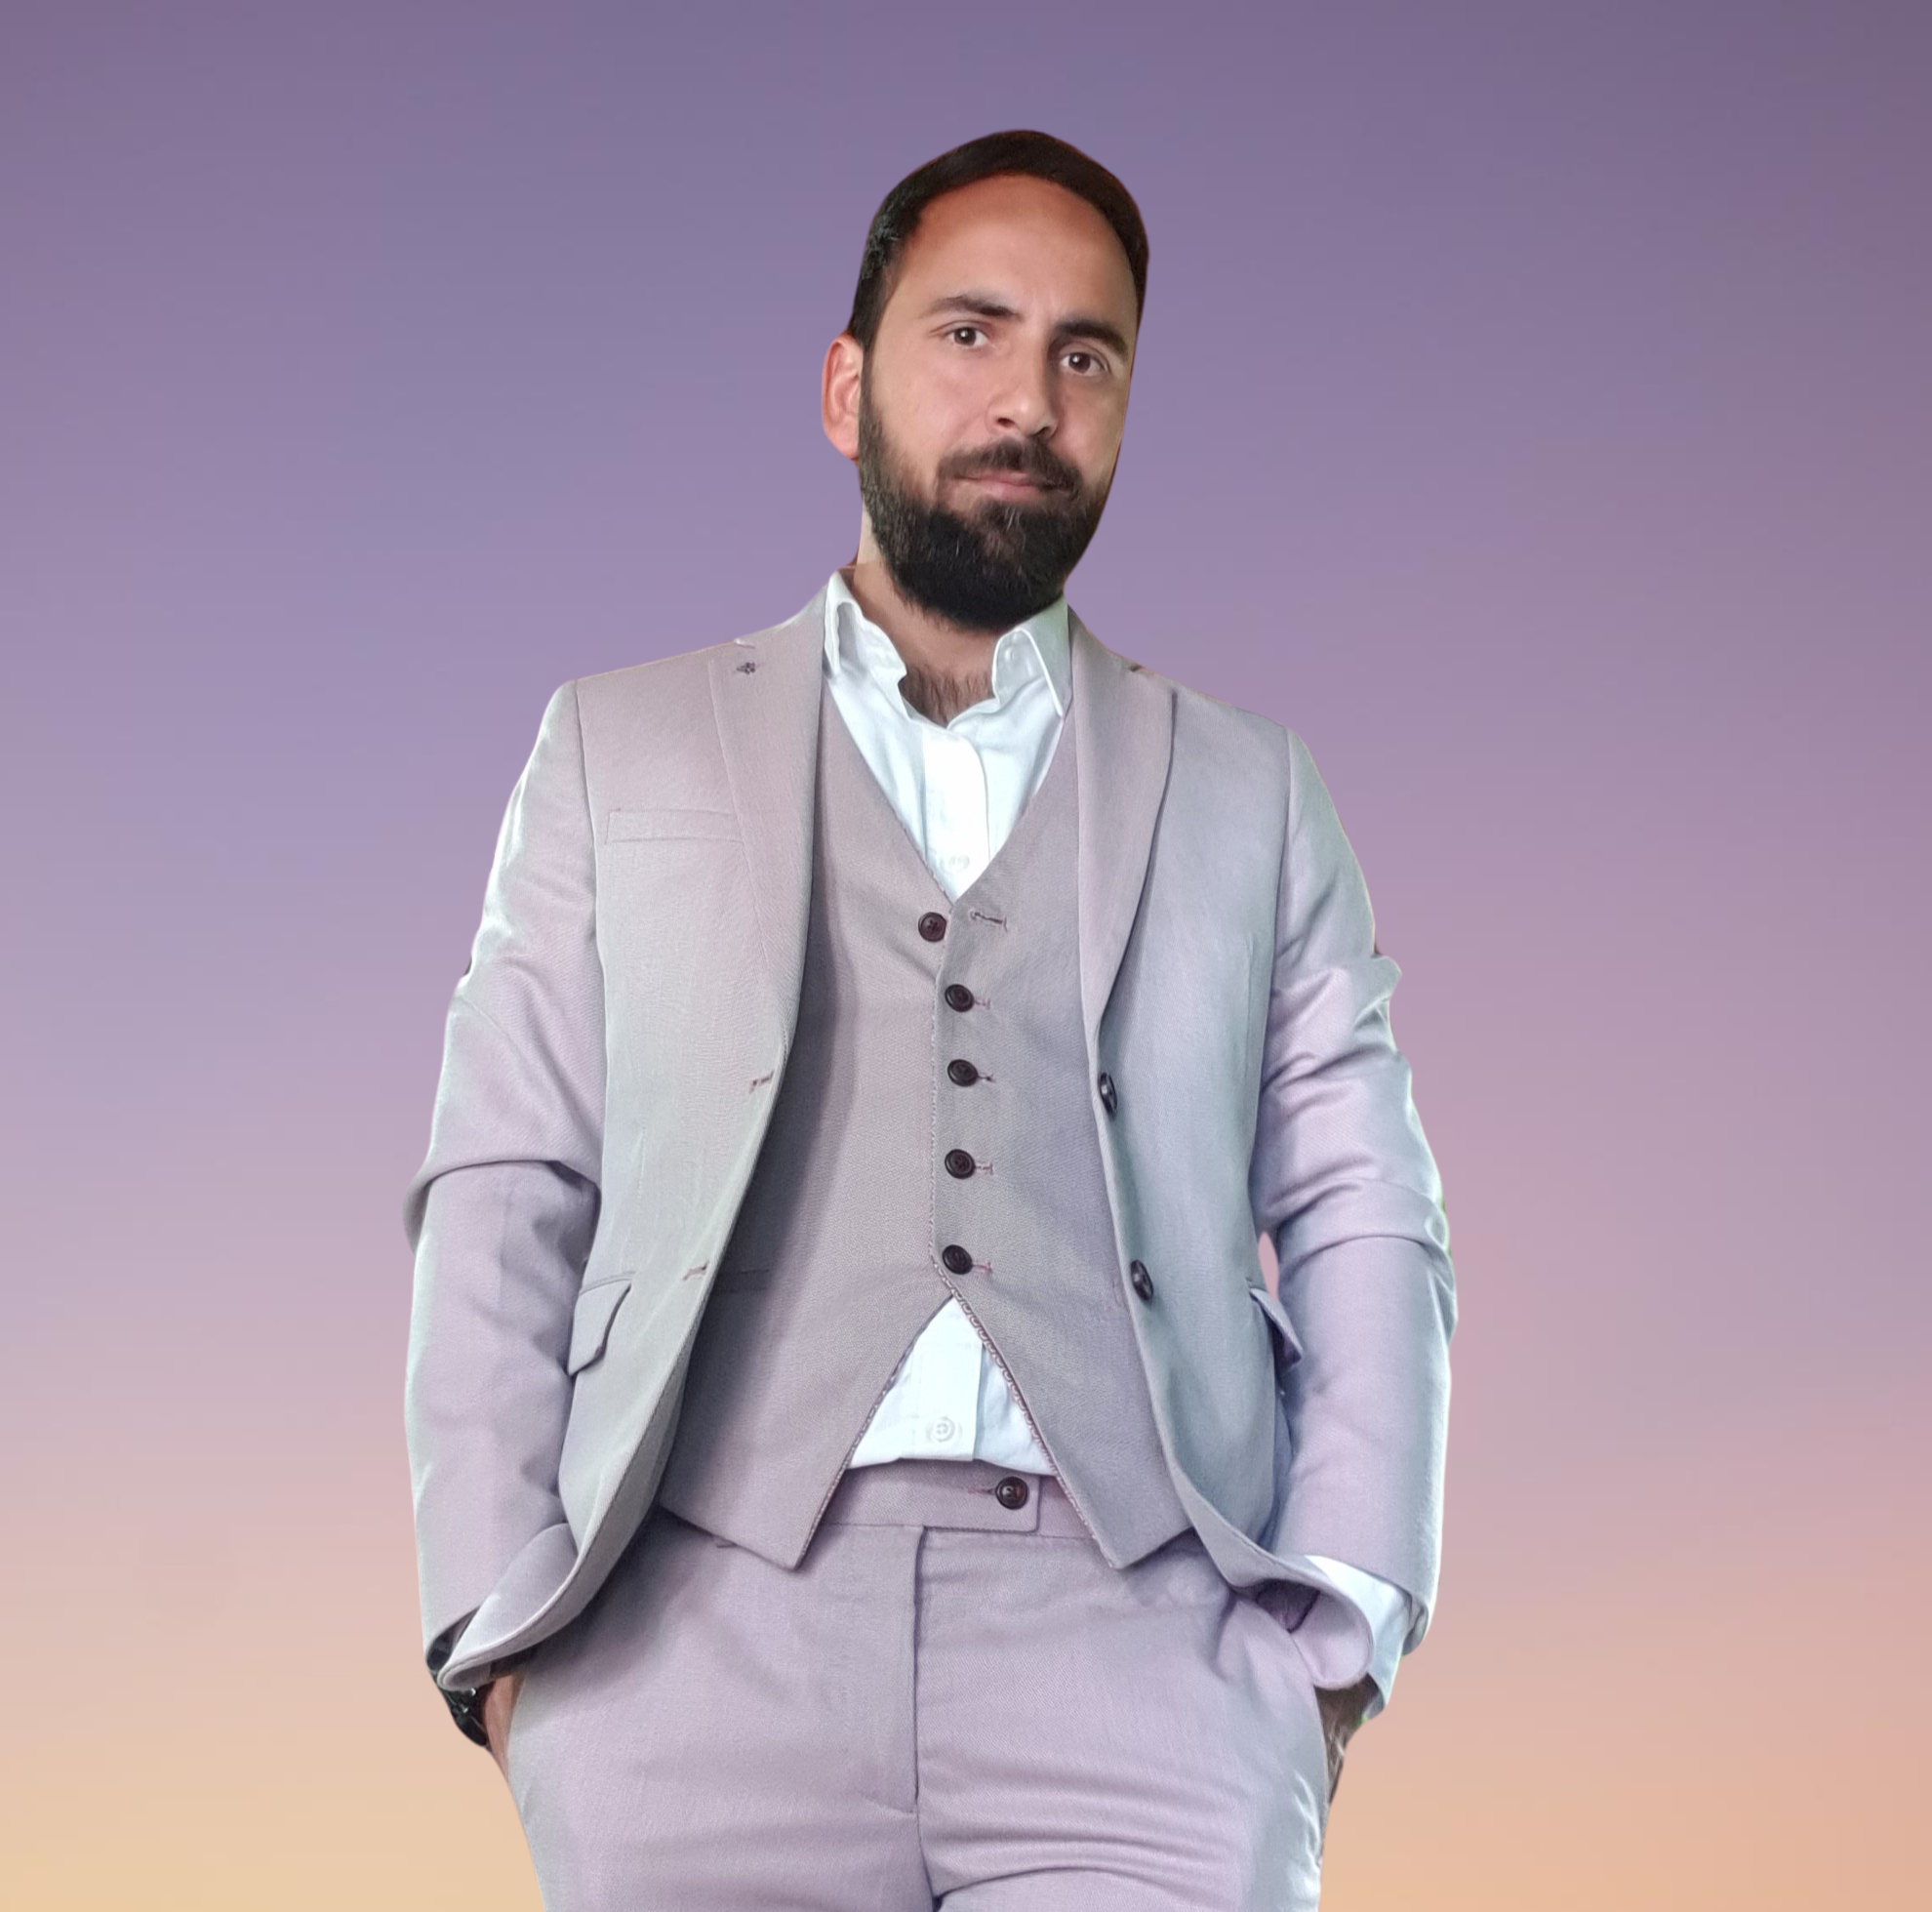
point(949, 1701)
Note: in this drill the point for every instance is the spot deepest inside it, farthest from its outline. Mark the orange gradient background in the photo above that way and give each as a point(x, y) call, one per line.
point(1532, 412)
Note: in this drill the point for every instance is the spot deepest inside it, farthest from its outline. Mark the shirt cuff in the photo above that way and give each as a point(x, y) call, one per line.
point(1387, 1609)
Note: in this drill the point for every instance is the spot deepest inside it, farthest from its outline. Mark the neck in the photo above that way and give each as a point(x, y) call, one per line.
point(947, 667)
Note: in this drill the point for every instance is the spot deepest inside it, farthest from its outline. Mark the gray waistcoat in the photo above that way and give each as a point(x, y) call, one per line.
point(834, 1263)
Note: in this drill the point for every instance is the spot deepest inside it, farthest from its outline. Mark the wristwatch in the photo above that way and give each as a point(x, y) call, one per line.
point(465, 1704)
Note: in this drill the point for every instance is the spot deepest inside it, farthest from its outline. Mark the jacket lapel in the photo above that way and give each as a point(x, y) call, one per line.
point(767, 727)
point(1124, 722)
point(765, 690)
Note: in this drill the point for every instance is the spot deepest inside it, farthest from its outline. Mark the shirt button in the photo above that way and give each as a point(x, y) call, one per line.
point(1109, 1101)
point(959, 1163)
point(932, 925)
point(963, 1072)
point(958, 997)
point(943, 1428)
point(957, 1260)
point(1137, 1272)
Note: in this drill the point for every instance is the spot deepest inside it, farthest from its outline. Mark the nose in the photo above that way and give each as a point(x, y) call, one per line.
point(1023, 402)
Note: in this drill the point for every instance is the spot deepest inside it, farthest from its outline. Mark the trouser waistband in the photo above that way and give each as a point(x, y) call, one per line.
point(923, 1491)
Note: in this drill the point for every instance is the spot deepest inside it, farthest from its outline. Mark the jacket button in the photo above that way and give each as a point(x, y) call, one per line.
point(1108, 1100)
point(958, 1163)
point(958, 997)
point(1137, 1272)
point(963, 1072)
point(932, 925)
point(1011, 1491)
point(957, 1259)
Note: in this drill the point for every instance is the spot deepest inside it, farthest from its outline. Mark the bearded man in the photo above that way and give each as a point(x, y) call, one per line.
point(858, 1460)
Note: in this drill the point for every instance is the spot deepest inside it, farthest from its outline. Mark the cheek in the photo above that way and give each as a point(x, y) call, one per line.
point(947, 408)
point(1089, 437)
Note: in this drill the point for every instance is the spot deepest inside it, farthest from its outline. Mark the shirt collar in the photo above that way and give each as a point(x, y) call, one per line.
point(1040, 647)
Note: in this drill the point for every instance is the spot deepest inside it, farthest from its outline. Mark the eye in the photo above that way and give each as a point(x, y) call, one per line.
point(963, 335)
point(1084, 362)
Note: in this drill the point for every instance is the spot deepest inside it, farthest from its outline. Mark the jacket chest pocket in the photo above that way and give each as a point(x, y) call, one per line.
point(681, 949)
point(660, 822)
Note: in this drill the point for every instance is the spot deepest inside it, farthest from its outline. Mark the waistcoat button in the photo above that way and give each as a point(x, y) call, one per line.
point(957, 1259)
point(958, 997)
point(958, 1163)
point(1011, 1491)
point(963, 1072)
point(1143, 1282)
point(1108, 1100)
point(932, 925)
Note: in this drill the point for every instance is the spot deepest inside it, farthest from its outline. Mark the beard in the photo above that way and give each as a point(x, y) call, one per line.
point(994, 567)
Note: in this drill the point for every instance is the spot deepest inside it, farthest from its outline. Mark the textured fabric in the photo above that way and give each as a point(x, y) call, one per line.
point(947, 1702)
point(613, 1053)
point(957, 788)
point(835, 1261)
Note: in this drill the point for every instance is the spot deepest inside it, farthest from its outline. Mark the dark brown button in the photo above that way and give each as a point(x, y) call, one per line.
point(1011, 1491)
point(963, 1072)
point(932, 925)
point(958, 997)
point(958, 1163)
point(1137, 1272)
point(957, 1258)
point(1108, 1100)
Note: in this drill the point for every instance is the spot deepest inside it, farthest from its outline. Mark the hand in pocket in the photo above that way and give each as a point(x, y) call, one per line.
point(499, 1702)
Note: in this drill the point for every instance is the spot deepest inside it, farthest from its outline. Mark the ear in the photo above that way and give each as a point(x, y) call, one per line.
point(838, 398)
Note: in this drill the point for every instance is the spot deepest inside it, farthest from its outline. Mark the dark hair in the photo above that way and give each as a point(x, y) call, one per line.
point(1038, 155)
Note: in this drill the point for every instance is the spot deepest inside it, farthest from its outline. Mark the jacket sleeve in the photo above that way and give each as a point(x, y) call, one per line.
point(501, 1213)
point(1345, 1186)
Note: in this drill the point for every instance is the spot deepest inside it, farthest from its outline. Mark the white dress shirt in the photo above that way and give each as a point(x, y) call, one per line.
point(958, 788)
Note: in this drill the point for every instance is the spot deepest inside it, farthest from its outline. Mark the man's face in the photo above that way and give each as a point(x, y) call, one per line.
point(991, 404)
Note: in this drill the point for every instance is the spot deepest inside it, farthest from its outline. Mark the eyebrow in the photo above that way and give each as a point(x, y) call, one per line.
point(1080, 326)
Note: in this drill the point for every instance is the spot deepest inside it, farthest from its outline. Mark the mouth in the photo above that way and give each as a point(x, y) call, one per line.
point(1008, 484)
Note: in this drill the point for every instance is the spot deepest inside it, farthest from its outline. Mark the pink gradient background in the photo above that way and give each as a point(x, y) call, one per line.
point(1533, 411)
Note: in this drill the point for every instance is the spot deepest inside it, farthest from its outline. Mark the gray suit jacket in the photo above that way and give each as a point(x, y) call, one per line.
point(614, 1050)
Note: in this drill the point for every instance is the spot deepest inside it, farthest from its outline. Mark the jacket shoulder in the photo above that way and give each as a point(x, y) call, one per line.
point(661, 703)
point(1243, 744)
point(658, 673)
point(653, 678)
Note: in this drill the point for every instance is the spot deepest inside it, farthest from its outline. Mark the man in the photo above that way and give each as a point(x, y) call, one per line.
point(858, 1461)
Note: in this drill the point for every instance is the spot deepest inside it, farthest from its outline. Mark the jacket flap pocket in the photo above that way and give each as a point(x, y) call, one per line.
point(635, 825)
point(1284, 1328)
point(591, 1324)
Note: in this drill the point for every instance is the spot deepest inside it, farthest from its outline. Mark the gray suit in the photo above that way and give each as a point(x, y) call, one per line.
point(615, 1051)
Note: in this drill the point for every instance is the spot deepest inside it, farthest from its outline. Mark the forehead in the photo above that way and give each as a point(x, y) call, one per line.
point(1038, 244)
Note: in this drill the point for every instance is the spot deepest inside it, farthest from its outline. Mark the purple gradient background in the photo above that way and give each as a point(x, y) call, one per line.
point(1533, 411)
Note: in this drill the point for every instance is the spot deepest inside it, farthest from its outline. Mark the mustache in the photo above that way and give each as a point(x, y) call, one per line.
point(1025, 458)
